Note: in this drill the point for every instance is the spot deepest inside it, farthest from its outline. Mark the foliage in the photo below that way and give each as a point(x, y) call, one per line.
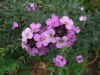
point(12, 56)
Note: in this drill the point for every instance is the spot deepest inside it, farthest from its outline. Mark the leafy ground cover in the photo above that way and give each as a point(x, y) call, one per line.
point(16, 61)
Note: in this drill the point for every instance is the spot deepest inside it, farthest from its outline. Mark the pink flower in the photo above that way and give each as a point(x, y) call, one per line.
point(50, 36)
point(82, 18)
point(40, 38)
point(24, 44)
point(67, 21)
point(53, 21)
point(27, 34)
point(28, 9)
point(42, 51)
point(79, 59)
point(59, 61)
point(35, 27)
point(81, 8)
point(76, 29)
point(15, 25)
point(37, 37)
point(71, 38)
point(31, 7)
point(33, 52)
point(61, 42)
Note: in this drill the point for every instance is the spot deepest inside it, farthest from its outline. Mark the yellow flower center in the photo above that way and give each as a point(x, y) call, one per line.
point(26, 34)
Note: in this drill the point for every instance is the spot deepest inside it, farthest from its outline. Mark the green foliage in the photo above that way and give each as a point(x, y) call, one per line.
point(12, 56)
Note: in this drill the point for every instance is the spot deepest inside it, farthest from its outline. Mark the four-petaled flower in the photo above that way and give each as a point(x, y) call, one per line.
point(42, 51)
point(53, 21)
point(41, 40)
point(31, 7)
point(35, 27)
point(27, 34)
point(83, 18)
point(79, 59)
point(67, 21)
point(61, 42)
point(59, 61)
point(50, 36)
point(15, 25)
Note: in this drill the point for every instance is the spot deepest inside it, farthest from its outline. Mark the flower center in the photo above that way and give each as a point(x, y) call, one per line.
point(65, 22)
point(60, 31)
point(50, 35)
point(26, 34)
point(79, 59)
point(31, 43)
point(41, 39)
point(53, 23)
point(61, 41)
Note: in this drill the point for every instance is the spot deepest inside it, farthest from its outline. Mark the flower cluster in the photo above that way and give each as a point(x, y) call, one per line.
point(60, 32)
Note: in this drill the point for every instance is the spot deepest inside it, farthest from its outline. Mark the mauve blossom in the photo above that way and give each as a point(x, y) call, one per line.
point(71, 38)
point(27, 34)
point(33, 52)
point(59, 61)
point(31, 7)
point(53, 21)
point(35, 27)
point(61, 42)
point(40, 38)
point(79, 59)
point(42, 51)
point(76, 29)
point(56, 19)
point(69, 43)
point(37, 37)
point(81, 8)
point(50, 36)
point(83, 18)
point(67, 21)
point(15, 25)
point(24, 44)
point(28, 9)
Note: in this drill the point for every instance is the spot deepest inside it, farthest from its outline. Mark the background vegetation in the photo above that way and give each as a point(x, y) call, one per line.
point(13, 58)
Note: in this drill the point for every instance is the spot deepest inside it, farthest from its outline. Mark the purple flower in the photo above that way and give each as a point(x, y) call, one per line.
point(35, 27)
point(28, 9)
point(24, 44)
point(50, 36)
point(76, 29)
point(79, 59)
point(59, 61)
point(81, 8)
point(83, 18)
point(31, 7)
point(71, 38)
point(33, 52)
point(67, 21)
point(61, 42)
point(27, 34)
point(53, 21)
point(15, 25)
point(42, 51)
point(40, 38)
